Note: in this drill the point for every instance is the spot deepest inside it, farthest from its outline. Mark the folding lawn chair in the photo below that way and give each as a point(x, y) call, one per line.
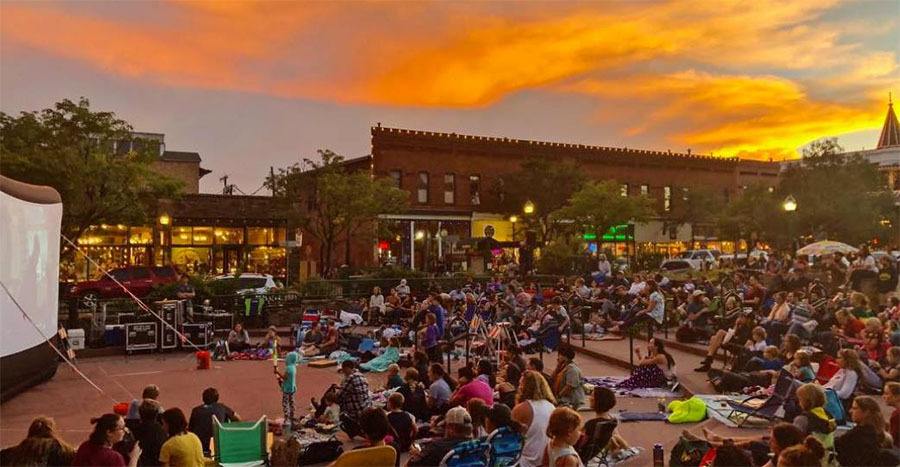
point(240, 444)
point(472, 453)
point(504, 447)
point(598, 443)
point(767, 410)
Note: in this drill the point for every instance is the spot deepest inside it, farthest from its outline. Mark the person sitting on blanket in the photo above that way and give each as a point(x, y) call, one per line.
point(602, 401)
point(652, 371)
point(568, 381)
point(238, 338)
point(394, 380)
point(328, 344)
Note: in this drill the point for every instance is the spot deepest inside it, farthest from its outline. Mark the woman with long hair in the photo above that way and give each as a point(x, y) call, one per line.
point(440, 390)
point(844, 381)
point(863, 443)
point(183, 447)
point(535, 403)
point(653, 370)
point(42, 446)
point(109, 429)
point(808, 454)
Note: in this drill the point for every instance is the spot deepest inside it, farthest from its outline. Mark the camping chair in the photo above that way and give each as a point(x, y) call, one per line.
point(504, 447)
point(598, 443)
point(767, 410)
point(472, 453)
point(240, 444)
point(378, 455)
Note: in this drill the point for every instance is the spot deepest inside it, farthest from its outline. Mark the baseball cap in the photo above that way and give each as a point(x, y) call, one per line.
point(458, 416)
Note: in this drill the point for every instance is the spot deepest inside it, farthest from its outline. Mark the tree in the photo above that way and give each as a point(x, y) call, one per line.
point(599, 206)
point(754, 212)
point(839, 196)
point(548, 184)
point(702, 206)
point(334, 201)
point(72, 149)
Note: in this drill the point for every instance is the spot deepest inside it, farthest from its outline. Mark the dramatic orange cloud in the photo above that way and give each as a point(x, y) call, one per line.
point(762, 77)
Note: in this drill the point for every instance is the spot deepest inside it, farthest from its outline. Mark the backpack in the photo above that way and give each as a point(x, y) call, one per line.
point(834, 407)
point(687, 453)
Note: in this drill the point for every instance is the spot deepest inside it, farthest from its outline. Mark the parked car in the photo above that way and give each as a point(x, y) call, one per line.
point(250, 283)
point(676, 266)
point(139, 280)
point(696, 257)
point(759, 255)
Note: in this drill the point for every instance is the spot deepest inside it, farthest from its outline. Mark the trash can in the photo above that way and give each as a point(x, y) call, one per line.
point(203, 360)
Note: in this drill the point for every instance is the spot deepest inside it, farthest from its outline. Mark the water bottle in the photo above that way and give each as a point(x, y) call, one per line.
point(658, 455)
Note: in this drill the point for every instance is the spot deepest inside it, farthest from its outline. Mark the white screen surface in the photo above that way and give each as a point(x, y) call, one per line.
point(29, 268)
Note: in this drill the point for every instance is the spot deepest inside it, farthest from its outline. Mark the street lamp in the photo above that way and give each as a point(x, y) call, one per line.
point(164, 219)
point(420, 235)
point(528, 208)
point(790, 204)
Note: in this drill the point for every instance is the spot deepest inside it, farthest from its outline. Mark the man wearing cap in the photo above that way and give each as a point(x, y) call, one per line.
point(457, 429)
point(403, 289)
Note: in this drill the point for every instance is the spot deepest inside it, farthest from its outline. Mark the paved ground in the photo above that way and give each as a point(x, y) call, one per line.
point(249, 387)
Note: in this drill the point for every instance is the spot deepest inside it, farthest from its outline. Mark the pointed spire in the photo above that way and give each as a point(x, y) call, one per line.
point(890, 133)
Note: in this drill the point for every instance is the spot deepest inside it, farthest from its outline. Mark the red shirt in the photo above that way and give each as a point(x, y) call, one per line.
point(90, 454)
point(854, 327)
point(476, 388)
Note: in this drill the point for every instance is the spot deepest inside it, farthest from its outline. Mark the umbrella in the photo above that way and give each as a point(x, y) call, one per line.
point(826, 247)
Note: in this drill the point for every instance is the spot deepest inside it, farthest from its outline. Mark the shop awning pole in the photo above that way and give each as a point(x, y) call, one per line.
point(412, 245)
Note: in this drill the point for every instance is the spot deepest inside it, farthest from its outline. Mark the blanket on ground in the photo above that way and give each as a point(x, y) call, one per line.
point(380, 363)
point(612, 381)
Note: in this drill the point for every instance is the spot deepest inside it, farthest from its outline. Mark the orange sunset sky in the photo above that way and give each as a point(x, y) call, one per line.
point(254, 84)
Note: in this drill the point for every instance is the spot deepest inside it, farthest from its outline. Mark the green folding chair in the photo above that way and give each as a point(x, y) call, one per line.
point(240, 444)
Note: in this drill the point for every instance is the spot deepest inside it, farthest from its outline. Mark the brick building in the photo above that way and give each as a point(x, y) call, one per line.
point(454, 182)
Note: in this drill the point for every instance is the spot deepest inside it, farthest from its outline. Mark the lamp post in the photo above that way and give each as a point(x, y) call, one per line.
point(790, 206)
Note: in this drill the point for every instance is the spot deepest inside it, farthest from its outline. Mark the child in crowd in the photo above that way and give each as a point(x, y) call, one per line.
point(394, 380)
point(563, 431)
point(288, 383)
point(332, 414)
point(801, 367)
point(403, 422)
point(890, 371)
point(771, 360)
point(757, 342)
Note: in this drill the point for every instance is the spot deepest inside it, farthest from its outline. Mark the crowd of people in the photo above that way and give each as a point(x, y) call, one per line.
point(814, 322)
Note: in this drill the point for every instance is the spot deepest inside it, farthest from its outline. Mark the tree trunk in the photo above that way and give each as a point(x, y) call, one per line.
point(347, 249)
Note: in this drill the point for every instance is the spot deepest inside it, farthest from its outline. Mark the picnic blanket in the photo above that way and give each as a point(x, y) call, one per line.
point(717, 407)
point(620, 457)
point(380, 363)
point(612, 381)
point(626, 416)
point(339, 356)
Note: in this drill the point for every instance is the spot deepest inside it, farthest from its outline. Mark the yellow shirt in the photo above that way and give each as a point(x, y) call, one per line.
point(182, 450)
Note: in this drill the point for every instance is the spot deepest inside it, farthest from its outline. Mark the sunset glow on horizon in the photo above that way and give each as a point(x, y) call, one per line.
point(731, 78)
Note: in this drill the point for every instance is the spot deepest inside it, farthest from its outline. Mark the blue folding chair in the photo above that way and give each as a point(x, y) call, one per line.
point(472, 453)
point(504, 447)
point(767, 410)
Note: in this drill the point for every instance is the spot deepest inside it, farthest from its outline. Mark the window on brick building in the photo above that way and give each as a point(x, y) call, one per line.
point(645, 189)
point(623, 189)
point(423, 187)
point(397, 177)
point(449, 188)
point(684, 194)
point(475, 189)
point(667, 198)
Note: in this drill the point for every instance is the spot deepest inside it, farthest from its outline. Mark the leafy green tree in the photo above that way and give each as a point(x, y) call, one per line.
point(334, 202)
point(548, 184)
point(599, 206)
point(839, 197)
point(703, 206)
point(752, 213)
point(72, 149)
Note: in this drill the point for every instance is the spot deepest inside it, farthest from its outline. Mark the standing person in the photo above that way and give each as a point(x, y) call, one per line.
point(201, 423)
point(354, 397)
point(288, 382)
point(429, 340)
point(183, 447)
point(568, 382)
point(42, 446)
point(563, 431)
point(534, 404)
point(887, 278)
point(97, 451)
point(604, 268)
point(150, 433)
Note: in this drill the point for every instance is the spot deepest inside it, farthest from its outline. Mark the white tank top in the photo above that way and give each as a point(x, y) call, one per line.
point(536, 436)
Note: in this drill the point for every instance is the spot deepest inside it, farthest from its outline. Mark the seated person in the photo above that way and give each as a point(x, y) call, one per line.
point(312, 338)
point(602, 401)
point(470, 387)
point(330, 413)
point(329, 343)
point(862, 445)
point(457, 428)
point(414, 398)
point(394, 380)
point(376, 431)
point(201, 417)
point(238, 338)
point(734, 338)
point(150, 433)
point(652, 371)
point(271, 339)
point(403, 422)
point(890, 371)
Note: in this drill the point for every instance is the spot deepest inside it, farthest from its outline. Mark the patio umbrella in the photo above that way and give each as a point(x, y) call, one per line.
point(826, 247)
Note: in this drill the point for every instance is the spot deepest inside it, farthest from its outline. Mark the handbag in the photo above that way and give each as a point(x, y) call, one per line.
point(322, 451)
point(687, 453)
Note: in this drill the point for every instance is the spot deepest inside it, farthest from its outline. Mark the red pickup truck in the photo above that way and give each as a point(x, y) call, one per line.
point(140, 280)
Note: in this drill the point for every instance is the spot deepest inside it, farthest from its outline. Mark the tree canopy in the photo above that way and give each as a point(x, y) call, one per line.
point(599, 206)
point(72, 149)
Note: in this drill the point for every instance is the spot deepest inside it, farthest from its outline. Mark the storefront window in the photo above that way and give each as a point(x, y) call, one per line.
point(104, 235)
point(140, 235)
point(225, 236)
point(181, 235)
point(203, 235)
point(265, 235)
point(267, 260)
point(192, 260)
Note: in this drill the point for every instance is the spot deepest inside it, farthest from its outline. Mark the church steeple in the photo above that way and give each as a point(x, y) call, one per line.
point(890, 133)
